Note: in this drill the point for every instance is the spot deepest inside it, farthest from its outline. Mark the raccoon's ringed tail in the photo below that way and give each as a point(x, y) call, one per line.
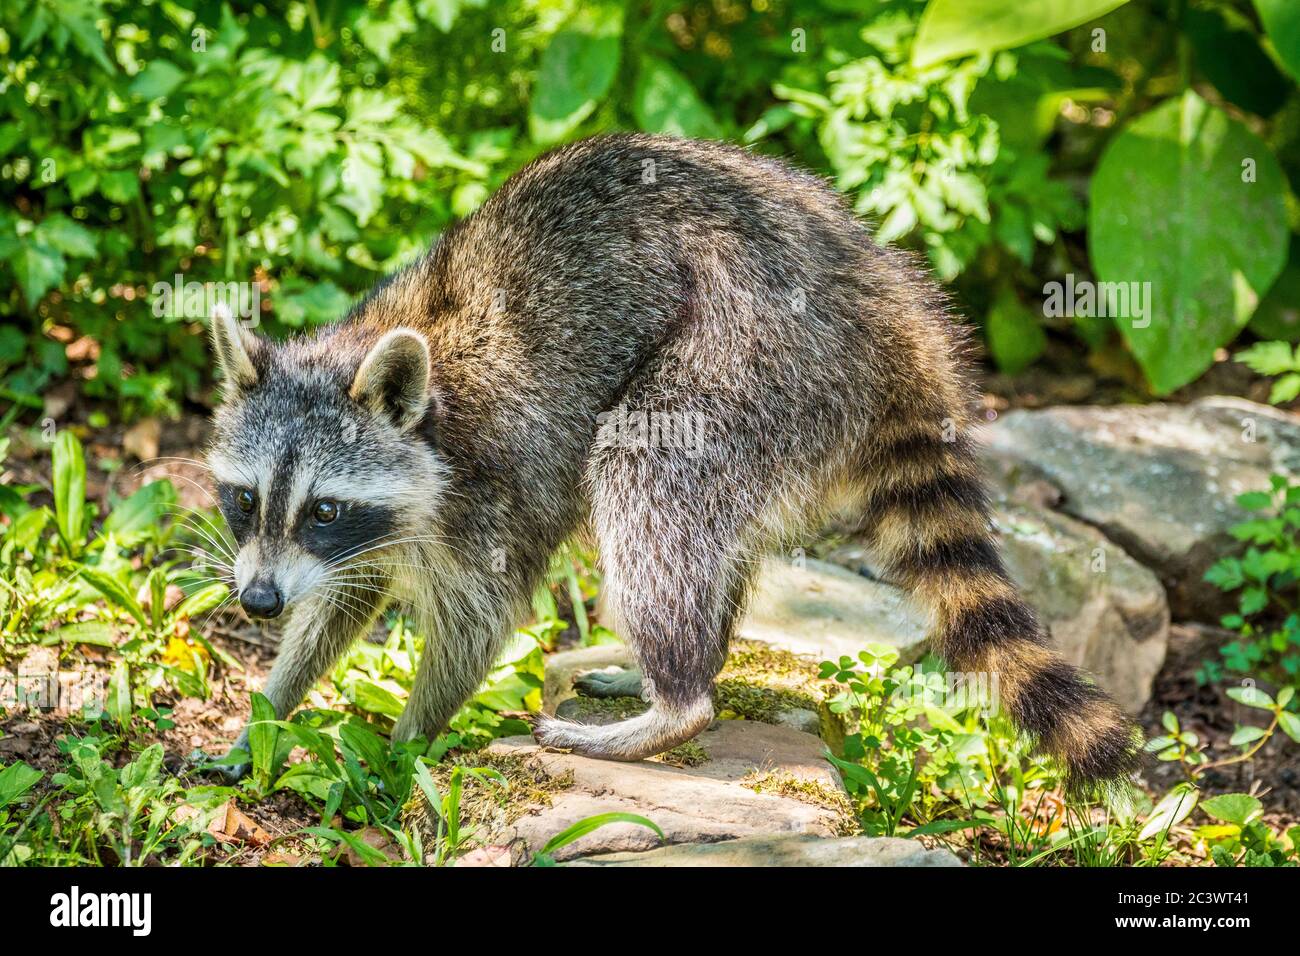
point(931, 530)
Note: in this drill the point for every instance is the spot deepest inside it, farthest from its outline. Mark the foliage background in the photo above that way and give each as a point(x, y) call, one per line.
point(309, 147)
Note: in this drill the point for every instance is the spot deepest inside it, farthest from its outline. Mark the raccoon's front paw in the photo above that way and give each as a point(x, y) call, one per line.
point(620, 683)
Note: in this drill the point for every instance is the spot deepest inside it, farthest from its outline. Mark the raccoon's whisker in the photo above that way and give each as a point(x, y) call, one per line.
point(218, 544)
point(387, 565)
point(201, 557)
point(343, 588)
point(189, 461)
point(376, 543)
point(341, 601)
point(211, 570)
point(368, 547)
point(205, 525)
point(226, 602)
point(363, 583)
point(196, 548)
point(215, 578)
point(198, 487)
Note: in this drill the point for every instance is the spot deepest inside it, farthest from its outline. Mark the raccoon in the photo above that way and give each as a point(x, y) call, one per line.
point(536, 374)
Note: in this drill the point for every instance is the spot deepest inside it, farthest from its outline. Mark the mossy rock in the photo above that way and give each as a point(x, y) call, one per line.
point(600, 710)
point(807, 790)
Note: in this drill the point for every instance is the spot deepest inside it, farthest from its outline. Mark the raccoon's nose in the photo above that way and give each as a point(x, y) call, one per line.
point(262, 599)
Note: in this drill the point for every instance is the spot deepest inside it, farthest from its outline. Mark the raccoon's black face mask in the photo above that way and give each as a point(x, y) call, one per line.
point(320, 475)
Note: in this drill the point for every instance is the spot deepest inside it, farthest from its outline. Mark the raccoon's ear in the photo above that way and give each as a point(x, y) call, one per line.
point(235, 347)
point(393, 378)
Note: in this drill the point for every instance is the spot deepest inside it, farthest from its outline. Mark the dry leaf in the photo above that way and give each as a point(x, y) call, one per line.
point(1048, 813)
point(234, 826)
point(142, 438)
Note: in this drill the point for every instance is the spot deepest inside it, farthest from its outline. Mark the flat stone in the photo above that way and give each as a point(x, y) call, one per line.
point(1159, 480)
point(1103, 611)
point(784, 850)
point(817, 608)
point(706, 803)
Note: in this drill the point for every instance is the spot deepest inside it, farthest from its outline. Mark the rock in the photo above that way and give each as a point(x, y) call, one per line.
point(822, 610)
point(1104, 611)
point(593, 710)
point(800, 719)
point(702, 803)
point(1158, 480)
point(784, 850)
point(58, 399)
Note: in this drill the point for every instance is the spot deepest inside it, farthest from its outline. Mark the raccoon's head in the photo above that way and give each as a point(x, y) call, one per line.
point(319, 459)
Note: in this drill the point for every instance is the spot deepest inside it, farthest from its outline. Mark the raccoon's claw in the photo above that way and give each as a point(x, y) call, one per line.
point(551, 733)
point(621, 683)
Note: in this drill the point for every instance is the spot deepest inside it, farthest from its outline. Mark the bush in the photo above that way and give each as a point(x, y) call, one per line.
point(302, 156)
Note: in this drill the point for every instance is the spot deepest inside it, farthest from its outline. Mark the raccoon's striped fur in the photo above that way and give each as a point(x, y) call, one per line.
point(485, 403)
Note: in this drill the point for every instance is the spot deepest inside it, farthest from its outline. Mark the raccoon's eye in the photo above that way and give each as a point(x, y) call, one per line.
point(245, 501)
point(325, 512)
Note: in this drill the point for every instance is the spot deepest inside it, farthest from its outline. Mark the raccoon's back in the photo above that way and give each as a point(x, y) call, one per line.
point(601, 246)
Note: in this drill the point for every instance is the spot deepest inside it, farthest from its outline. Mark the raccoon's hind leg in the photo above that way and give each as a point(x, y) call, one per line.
point(674, 579)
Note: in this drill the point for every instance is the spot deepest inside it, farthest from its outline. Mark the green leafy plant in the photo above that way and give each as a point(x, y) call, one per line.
point(1276, 360)
point(125, 816)
point(1240, 838)
point(1265, 576)
point(131, 584)
point(16, 780)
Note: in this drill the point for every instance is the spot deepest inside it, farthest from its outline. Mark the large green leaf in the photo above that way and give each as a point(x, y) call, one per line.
point(263, 735)
point(577, 70)
point(157, 79)
point(69, 237)
point(665, 102)
point(1172, 205)
point(1229, 54)
point(16, 780)
point(951, 28)
point(1282, 22)
point(118, 702)
point(1238, 808)
point(118, 594)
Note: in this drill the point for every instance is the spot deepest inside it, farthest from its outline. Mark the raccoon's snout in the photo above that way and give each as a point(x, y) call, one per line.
point(262, 599)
